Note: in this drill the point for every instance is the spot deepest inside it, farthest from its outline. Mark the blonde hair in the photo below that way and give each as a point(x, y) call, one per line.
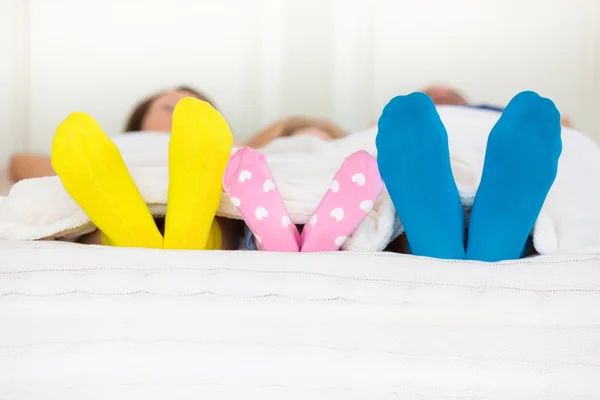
point(289, 126)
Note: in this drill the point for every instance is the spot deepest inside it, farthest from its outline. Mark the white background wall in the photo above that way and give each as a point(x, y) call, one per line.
point(262, 59)
point(13, 107)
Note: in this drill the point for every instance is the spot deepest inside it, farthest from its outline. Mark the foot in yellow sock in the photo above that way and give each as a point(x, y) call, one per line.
point(93, 172)
point(199, 151)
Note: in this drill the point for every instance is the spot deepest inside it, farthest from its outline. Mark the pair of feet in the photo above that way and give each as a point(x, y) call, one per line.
point(520, 166)
point(93, 172)
point(351, 195)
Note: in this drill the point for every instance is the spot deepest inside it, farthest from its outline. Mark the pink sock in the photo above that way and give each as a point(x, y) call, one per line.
point(350, 197)
point(250, 185)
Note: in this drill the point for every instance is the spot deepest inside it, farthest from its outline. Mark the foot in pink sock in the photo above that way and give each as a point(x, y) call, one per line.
point(250, 185)
point(351, 195)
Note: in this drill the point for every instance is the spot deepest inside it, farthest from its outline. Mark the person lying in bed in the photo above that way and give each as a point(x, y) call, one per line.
point(251, 186)
point(152, 114)
point(521, 162)
point(351, 195)
point(93, 172)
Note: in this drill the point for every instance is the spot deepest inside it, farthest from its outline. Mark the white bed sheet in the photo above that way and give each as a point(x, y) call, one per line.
point(97, 322)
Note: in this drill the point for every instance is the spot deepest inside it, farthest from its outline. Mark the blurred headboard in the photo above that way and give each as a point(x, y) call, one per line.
point(262, 59)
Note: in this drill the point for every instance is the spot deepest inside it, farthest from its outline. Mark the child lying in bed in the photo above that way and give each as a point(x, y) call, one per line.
point(350, 197)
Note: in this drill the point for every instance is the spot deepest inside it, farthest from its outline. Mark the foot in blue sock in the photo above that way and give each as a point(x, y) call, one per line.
point(521, 161)
point(414, 162)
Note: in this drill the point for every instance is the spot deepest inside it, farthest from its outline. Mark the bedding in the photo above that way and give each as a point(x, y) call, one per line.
point(88, 322)
point(303, 168)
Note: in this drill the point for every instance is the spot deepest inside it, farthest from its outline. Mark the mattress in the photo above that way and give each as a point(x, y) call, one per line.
point(86, 322)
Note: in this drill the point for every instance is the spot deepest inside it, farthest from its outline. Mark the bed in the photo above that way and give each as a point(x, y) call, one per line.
point(86, 322)
point(98, 322)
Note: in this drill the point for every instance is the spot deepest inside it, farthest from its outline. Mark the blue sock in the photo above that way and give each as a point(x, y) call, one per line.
point(414, 162)
point(521, 161)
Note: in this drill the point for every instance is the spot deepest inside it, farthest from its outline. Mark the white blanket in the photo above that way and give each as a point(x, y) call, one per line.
point(303, 168)
point(92, 323)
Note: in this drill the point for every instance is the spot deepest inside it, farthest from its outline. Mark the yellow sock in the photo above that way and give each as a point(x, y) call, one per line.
point(93, 172)
point(199, 151)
